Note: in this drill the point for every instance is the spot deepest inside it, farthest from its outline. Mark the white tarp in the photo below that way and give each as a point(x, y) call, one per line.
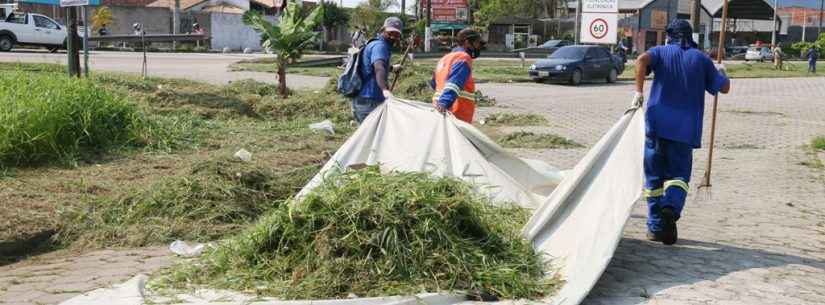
point(579, 224)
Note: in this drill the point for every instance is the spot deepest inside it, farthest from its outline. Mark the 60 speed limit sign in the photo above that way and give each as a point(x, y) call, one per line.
point(599, 28)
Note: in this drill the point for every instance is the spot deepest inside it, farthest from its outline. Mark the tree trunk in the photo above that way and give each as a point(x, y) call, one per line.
point(282, 79)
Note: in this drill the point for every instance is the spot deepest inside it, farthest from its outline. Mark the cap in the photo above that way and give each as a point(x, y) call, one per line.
point(469, 34)
point(679, 26)
point(393, 24)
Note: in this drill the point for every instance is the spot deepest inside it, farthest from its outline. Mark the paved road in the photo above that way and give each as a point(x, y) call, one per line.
point(760, 239)
point(205, 67)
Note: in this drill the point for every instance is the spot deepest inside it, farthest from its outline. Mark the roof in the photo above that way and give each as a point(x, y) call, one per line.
point(184, 4)
point(741, 9)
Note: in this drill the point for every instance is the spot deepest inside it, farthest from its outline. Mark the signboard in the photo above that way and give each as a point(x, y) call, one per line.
point(600, 6)
point(65, 3)
point(59, 2)
point(599, 28)
point(658, 19)
point(448, 10)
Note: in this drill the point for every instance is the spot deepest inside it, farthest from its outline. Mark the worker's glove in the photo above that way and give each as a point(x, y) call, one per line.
point(638, 100)
point(396, 68)
point(721, 69)
point(388, 94)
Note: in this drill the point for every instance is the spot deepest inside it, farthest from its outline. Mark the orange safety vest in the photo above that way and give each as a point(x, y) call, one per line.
point(465, 105)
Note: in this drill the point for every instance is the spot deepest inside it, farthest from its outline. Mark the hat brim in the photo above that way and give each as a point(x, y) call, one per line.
point(392, 29)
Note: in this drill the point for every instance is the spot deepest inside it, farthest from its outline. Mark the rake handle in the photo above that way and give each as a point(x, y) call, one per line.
point(410, 45)
point(719, 54)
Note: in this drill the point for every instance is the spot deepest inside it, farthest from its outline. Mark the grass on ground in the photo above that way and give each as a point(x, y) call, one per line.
point(818, 143)
point(749, 70)
point(526, 139)
point(370, 234)
point(169, 186)
point(514, 119)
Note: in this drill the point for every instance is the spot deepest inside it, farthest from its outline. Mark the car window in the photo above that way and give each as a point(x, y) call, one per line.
point(569, 52)
point(16, 18)
point(43, 22)
point(552, 43)
point(592, 53)
point(602, 53)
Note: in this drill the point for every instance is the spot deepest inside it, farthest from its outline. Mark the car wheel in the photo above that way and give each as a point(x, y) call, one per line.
point(576, 78)
point(6, 43)
point(613, 76)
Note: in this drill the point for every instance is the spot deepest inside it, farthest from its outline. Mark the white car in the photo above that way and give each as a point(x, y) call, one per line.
point(758, 54)
point(31, 29)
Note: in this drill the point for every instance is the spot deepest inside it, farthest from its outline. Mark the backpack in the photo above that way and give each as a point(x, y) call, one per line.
point(349, 82)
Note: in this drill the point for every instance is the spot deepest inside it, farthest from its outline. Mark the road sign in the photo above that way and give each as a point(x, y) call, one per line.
point(600, 6)
point(65, 3)
point(599, 28)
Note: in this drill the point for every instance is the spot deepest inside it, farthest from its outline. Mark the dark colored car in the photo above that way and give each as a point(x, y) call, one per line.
point(575, 64)
point(547, 48)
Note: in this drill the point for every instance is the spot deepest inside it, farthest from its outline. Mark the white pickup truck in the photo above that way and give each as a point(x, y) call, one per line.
point(31, 29)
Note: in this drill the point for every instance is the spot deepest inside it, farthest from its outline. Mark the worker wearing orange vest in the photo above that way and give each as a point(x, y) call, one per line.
point(453, 77)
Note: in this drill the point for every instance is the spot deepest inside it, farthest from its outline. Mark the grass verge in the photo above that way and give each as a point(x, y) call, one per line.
point(818, 143)
point(749, 70)
point(370, 234)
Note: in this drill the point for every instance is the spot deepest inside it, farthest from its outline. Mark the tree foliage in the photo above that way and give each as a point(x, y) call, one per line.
point(102, 17)
point(335, 16)
point(490, 10)
point(288, 39)
point(370, 14)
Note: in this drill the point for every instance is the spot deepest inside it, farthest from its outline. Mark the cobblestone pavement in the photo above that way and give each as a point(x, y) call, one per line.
point(759, 239)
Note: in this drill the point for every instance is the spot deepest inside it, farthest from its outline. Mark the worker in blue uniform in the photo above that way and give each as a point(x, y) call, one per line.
point(673, 122)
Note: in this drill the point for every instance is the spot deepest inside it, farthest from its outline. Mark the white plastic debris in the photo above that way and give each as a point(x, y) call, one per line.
point(244, 155)
point(326, 125)
point(227, 50)
point(181, 248)
point(247, 50)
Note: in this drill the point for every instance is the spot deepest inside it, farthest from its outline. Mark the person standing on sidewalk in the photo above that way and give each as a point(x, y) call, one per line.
point(453, 77)
point(375, 68)
point(673, 123)
point(812, 56)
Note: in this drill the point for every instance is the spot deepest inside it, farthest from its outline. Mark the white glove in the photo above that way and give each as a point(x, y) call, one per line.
point(396, 68)
point(722, 69)
point(388, 94)
point(638, 100)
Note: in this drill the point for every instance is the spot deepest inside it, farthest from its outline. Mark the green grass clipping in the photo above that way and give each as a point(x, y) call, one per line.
point(369, 234)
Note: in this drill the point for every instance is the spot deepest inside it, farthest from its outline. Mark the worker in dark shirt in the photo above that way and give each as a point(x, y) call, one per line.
point(673, 122)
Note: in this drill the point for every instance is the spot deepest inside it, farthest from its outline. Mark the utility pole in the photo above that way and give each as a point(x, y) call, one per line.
point(72, 43)
point(428, 32)
point(821, 13)
point(86, 26)
point(773, 33)
point(576, 30)
point(404, 9)
point(695, 21)
point(323, 25)
point(175, 23)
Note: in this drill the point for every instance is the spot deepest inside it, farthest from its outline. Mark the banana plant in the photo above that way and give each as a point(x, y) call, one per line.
point(288, 38)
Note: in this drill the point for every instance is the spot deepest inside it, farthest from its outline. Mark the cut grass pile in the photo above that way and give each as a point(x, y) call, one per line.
point(215, 198)
point(515, 119)
point(47, 117)
point(370, 234)
point(525, 139)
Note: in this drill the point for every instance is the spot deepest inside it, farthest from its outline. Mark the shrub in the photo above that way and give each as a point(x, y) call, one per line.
point(49, 116)
point(370, 234)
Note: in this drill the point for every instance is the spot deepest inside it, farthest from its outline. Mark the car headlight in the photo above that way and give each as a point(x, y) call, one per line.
point(532, 67)
point(561, 68)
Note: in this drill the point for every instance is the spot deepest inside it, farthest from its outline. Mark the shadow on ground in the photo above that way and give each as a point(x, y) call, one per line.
point(640, 269)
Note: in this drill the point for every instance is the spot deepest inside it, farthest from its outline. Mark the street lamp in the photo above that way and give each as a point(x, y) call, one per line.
point(773, 33)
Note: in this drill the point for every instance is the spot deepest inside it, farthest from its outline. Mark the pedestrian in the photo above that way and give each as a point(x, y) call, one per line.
point(777, 57)
point(673, 123)
point(453, 76)
point(375, 68)
point(812, 56)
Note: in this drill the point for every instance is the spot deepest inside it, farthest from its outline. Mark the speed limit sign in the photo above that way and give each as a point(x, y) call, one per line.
point(599, 28)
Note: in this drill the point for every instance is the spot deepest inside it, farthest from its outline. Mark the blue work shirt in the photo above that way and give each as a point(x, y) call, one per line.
point(375, 51)
point(458, 76)
point(677, 97)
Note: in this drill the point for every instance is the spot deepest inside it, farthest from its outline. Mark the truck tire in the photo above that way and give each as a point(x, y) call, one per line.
point(6, 43)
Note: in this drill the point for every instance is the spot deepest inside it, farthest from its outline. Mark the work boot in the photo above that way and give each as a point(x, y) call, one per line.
point(669, 234)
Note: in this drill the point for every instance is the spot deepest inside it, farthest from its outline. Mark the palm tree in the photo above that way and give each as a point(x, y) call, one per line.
point(288, 38)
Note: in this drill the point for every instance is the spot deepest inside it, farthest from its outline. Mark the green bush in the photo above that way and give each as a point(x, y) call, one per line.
point(818, 143)
point(50, 116)
point(370, 234)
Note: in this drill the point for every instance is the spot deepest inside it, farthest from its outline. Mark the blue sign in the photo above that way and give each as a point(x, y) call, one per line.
point(55, 2)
